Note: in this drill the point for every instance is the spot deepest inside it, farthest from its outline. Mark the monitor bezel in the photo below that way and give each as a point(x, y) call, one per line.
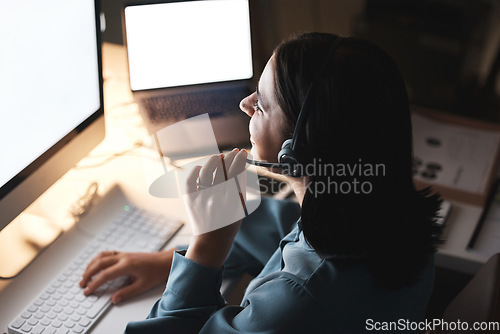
point(248, 81)
point(22, 188)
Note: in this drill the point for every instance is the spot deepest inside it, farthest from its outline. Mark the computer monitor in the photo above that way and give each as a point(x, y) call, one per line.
point(51, 105)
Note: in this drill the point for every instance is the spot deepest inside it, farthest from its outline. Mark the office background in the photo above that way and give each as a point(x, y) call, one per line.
point(447, 50)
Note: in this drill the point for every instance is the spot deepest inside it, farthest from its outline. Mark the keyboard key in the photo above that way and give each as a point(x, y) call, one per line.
point(87, 304)
point(78, 299)
point(84, 322)
point(56, 284)
point(32, 322)
point(97, 307)
point(78, 329)
point(75, 317)
point(18, 323)
point(62, 317)
point(92, 299)
point(38, 330)
point(75, 290)
point(26, 328)
point(69, 311)
point(26, 315)
point(50, 303)
point(45, 322)
point(56, 323)
point(63, 303)
point(69, 324)
point(81, 311)
point(39, 315)
point(32, 309)
point(51, 315)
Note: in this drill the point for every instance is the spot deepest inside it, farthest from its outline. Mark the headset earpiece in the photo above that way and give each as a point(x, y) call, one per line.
point(286, 154)
point(290, 158)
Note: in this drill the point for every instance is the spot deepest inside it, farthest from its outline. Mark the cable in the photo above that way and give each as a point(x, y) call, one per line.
point(85, 202)
point(109, 158)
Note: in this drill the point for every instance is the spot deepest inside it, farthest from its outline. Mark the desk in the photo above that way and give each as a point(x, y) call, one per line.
point(124, 128)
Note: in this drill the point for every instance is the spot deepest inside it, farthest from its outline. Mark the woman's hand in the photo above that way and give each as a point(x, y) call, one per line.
point(215, 201)
point(145, 270)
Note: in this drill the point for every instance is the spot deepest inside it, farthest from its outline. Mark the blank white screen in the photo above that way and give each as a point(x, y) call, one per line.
point(185, 43)
point(49, 79)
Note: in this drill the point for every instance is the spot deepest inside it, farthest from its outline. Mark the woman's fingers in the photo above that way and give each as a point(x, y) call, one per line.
point(103, 268)
point(103, 260)
point(145, 270)
point(207, 171)
point(220, 172)
point(238, 164)
point(226, 161)
point(191, 186)
point(217, 169)
point(108, 274)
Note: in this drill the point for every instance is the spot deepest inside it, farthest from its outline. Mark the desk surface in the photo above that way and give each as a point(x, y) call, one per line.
point(124, 128)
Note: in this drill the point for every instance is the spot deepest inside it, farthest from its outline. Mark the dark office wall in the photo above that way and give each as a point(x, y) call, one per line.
point(445, 48)
point(112, 11)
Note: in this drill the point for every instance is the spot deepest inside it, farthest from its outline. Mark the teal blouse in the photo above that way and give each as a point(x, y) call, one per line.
point(296, 290)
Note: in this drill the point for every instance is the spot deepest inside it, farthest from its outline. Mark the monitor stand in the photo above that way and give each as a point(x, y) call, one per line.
point(22, 240)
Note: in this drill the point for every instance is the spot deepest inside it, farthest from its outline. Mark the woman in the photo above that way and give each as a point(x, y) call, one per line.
point(361, 254)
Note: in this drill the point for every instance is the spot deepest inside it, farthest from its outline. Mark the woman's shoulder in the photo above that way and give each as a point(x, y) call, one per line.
point(350, 290)
point(341, 297)
point(285, 296)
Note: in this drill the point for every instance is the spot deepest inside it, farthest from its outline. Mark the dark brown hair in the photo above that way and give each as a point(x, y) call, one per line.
point(360, 116)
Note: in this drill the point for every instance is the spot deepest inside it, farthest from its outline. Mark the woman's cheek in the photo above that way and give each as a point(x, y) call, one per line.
point(251, 127)
point(251, 130)
point(255, 150)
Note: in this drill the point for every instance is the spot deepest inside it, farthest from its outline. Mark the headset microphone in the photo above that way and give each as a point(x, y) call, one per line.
point(284, 166)
point(293, 154)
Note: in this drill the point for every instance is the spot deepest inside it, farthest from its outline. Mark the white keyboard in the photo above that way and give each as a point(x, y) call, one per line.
point(61, 307)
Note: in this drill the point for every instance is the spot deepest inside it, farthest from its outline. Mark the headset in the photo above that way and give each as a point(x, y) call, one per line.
point(293, 154)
